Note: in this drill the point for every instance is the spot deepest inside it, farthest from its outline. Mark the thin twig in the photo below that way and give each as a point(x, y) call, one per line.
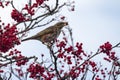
point(16, 61)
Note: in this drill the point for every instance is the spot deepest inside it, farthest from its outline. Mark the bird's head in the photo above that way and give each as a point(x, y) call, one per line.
point(60, 25)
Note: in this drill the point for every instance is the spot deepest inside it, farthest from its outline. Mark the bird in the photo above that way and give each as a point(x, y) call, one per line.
point(48, 35)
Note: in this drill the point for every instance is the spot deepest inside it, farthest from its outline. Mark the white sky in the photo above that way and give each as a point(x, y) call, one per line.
point(94, 22)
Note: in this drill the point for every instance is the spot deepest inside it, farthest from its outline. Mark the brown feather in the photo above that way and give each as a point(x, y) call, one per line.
point(48, 34)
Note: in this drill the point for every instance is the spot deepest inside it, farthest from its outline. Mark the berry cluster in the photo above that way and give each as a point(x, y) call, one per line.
point(30, 9)
point(18, 57)
point(68, 52)
point(35, 70)
point(17, 16)
point(74, 73)
point(21, 60)
point(39, 2)
point(107, 49)
point(3, 4)
point(20, 72)
point(20, 17)
point(38, 71)
point(8, 37)
point(1, 71)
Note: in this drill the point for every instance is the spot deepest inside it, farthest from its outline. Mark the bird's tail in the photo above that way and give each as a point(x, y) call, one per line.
point(25, 39)
point(28, 39)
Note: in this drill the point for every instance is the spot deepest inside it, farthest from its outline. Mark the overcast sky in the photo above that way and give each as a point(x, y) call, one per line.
point(94, 22)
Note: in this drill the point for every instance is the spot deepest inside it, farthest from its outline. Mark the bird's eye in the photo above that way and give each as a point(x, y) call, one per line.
point(66, 23)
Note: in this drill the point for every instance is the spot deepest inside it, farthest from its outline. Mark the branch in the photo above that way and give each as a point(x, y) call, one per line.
point(98, 52)
point(55, 62)
point(117, 45)
point(16, 61)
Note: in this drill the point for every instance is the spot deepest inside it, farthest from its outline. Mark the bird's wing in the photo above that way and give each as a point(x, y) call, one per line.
point(42, 33)
point(46, 31)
